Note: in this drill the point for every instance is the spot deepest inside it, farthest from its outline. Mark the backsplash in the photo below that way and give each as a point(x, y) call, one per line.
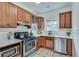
point(60, 32)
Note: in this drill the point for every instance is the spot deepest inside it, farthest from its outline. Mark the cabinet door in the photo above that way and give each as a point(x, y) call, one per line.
point(62, 20)
point(3, 16)
point(68, 19)
point(20, 14)
point(38, 43)
point(69, 47)
point(40, 22)
point(11, 15)
point(49, 44)
point(37, 21)
point(65, 19)
point(43, 41)
point(28, 17)
point(8, 15)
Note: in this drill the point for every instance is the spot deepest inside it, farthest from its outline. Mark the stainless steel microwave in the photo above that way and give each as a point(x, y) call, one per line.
point(10, 52)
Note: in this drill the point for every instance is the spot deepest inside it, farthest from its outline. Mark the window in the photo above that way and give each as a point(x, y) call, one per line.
point(51, 25)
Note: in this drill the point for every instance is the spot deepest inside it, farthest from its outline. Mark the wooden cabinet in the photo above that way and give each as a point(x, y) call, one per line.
point(65, 19)
point(8, 15)
point(50, 43)
point(11, 20)
point(24, 16)
point(69, 47)
point(40, 22)
point(20, 14)
point(38, 42)
point(45, 42)
point(28, 17)
point(3, 11)
point(62, 22)
point(68, 19)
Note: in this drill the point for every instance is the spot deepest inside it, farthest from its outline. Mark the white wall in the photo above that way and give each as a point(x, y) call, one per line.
point(54, 15)
point(75, 28)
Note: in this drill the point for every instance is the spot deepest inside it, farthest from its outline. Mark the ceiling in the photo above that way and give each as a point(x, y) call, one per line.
point(44, 6)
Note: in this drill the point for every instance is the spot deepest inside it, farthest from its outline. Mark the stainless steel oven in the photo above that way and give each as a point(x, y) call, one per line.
point(29, 47)
point(10, 52)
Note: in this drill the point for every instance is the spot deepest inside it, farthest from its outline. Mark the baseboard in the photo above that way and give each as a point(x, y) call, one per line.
point(60, 52)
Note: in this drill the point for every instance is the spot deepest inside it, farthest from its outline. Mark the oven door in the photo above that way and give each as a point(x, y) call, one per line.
point(29, 45)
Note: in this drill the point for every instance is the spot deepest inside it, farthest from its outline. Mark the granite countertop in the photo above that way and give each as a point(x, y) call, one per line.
point(58, 36)
point(9, 42)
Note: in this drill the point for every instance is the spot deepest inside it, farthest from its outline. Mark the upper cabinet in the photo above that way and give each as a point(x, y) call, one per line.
point(28, 17)
point(24, 16)
point(40, 22)
point(8, 15)
point(65, 19)
point(20, 14)
point(11, 15)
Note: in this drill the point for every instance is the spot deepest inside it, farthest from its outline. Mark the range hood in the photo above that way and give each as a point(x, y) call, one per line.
point(19, 23)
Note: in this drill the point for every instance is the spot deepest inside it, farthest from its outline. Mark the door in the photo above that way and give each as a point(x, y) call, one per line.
point(62, 20)
point(8, 15)
point(69, 47)
point(11, 15)
point(65, 19)
point(28, 18)
point(49, 44)
point(40, 22)
point(43, 41)
point(20, 14)
point(68, 19)
point(3, 16)
point(38, 42)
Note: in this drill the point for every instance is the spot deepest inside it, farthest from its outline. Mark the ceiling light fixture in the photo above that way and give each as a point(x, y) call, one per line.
point(37, 2)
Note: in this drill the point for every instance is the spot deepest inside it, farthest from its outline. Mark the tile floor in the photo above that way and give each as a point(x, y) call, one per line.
point(42, 52)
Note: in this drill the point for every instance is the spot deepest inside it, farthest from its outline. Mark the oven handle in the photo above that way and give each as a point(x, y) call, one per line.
point(29, 42)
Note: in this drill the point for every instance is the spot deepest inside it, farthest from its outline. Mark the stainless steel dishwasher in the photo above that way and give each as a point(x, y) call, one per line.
point(60, 45)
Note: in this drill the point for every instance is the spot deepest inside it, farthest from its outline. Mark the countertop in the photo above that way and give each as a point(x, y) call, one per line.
point(57, 36)
point(9, 42)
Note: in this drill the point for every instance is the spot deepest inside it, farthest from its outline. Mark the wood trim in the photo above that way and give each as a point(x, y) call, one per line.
point(21, 48)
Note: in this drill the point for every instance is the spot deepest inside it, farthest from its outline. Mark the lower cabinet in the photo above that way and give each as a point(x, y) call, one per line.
point(69, 47)
point(49, 43)
point(45, 42)
point(62, 45)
